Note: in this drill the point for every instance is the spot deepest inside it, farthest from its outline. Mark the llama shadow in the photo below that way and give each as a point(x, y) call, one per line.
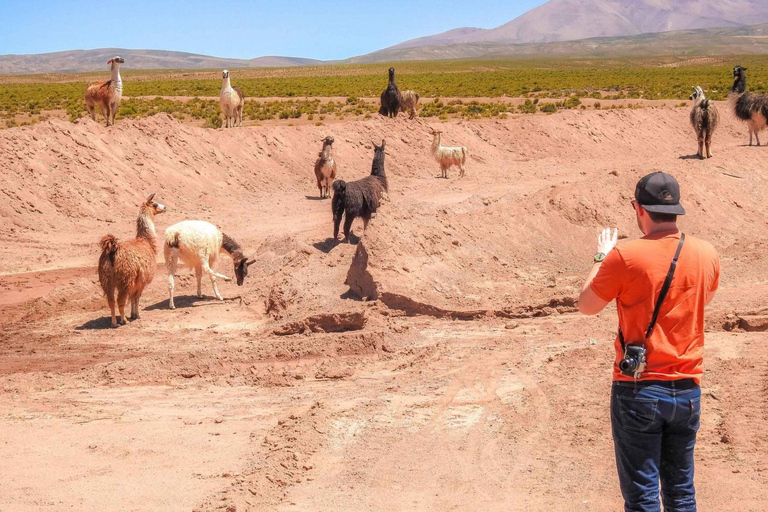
point(315, 198)
point(188, 301)
point(690, 157)
point(350, 295)
point(327, 246)
point(104, 322)
point(353, 240)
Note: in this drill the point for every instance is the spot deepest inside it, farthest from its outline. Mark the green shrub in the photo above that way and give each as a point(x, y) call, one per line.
point(548, 108)
point(214, 121)
point(528, 107)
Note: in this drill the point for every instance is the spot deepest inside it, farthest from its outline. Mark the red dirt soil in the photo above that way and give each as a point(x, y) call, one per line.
point(464, 381)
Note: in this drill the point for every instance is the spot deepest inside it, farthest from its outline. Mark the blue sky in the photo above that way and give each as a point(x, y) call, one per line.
point(239, 29)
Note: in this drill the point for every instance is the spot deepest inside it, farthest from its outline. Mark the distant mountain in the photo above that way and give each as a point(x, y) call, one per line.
point(558, 27)
point(570, 20)
point(78, 61)
point(748, 40)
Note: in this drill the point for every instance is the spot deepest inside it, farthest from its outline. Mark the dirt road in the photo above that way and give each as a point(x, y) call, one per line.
point(470, 383)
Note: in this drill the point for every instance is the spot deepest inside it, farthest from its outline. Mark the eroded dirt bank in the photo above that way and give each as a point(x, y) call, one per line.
point(464, 381)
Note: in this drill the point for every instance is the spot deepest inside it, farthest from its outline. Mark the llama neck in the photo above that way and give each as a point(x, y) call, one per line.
point(225, 85)
point(377, 167)
point(739, 85)
point(436, 143)
point(145, 227)
point(116, 79)
point(326, 154)
point(231, 247)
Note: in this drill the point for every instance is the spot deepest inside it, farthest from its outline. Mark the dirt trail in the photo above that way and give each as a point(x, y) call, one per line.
point(465, 382)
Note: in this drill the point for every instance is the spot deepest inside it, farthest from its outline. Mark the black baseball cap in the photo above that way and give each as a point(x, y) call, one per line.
point(659, 193)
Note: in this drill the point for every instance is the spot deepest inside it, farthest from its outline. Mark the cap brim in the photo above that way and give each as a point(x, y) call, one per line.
point(674, 209)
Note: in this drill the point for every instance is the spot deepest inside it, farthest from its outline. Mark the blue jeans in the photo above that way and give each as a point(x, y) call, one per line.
point(654, 432)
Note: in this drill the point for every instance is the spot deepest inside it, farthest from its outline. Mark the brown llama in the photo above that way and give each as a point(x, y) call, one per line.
point(106, 95)
point(325, 168)
point(129, 266)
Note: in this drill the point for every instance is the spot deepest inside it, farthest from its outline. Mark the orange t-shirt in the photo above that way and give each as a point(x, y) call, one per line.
point(634, 274)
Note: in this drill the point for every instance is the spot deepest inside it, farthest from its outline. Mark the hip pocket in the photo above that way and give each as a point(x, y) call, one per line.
point(637, 414)
point(695, 419)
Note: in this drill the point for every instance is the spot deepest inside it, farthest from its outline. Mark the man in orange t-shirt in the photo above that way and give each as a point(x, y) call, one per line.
point(655, 416)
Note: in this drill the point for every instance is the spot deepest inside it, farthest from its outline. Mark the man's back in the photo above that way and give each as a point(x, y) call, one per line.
point(634, 275)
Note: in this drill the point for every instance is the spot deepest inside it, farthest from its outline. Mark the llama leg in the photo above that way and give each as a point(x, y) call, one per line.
point(348, 226)
point(111, 302)
point(213, 275)
point(757, 137)
point(92, 111)
point(199, 275)
point(122, 298)
point(701, 149)
point(336, 223)
point(137, 297)
point(171, 261)
point(134, 302)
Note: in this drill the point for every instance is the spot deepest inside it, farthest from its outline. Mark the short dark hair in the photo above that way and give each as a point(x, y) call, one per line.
point(658, 218)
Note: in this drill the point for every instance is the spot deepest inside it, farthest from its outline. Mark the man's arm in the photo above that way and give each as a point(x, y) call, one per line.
point(710, 293)
point(589, 302)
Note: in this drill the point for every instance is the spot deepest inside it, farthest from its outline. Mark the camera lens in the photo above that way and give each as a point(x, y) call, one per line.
point(628, 365)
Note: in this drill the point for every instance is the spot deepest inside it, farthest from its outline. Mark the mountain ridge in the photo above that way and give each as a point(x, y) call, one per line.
point(82, 61)
point(741, 40)
point(571, 20)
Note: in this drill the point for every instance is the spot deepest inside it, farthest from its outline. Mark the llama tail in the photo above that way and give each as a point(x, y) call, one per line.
point(107, 264)
point(339, 187)
point(172, 239)
point(109, 246)
point(463, 154)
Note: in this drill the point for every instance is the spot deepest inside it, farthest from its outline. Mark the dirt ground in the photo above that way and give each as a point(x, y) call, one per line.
point(463, 380)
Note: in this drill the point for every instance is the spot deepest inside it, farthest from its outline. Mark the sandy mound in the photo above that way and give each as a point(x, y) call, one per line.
point(499, 407)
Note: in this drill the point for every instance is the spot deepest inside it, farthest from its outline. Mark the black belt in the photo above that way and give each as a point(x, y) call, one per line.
point(671, 384)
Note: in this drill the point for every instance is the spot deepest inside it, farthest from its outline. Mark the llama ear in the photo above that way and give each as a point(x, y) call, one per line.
point(250, 262)
point(383, 143)
point(110, 61)
point(151, 196)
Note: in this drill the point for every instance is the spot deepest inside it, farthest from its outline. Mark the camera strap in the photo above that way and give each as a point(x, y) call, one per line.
point(662, 295)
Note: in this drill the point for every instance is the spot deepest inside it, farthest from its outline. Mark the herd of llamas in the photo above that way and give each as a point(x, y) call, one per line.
point(126, 268)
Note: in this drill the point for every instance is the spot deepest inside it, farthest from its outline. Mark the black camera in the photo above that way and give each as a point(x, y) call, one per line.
point(633, 364)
